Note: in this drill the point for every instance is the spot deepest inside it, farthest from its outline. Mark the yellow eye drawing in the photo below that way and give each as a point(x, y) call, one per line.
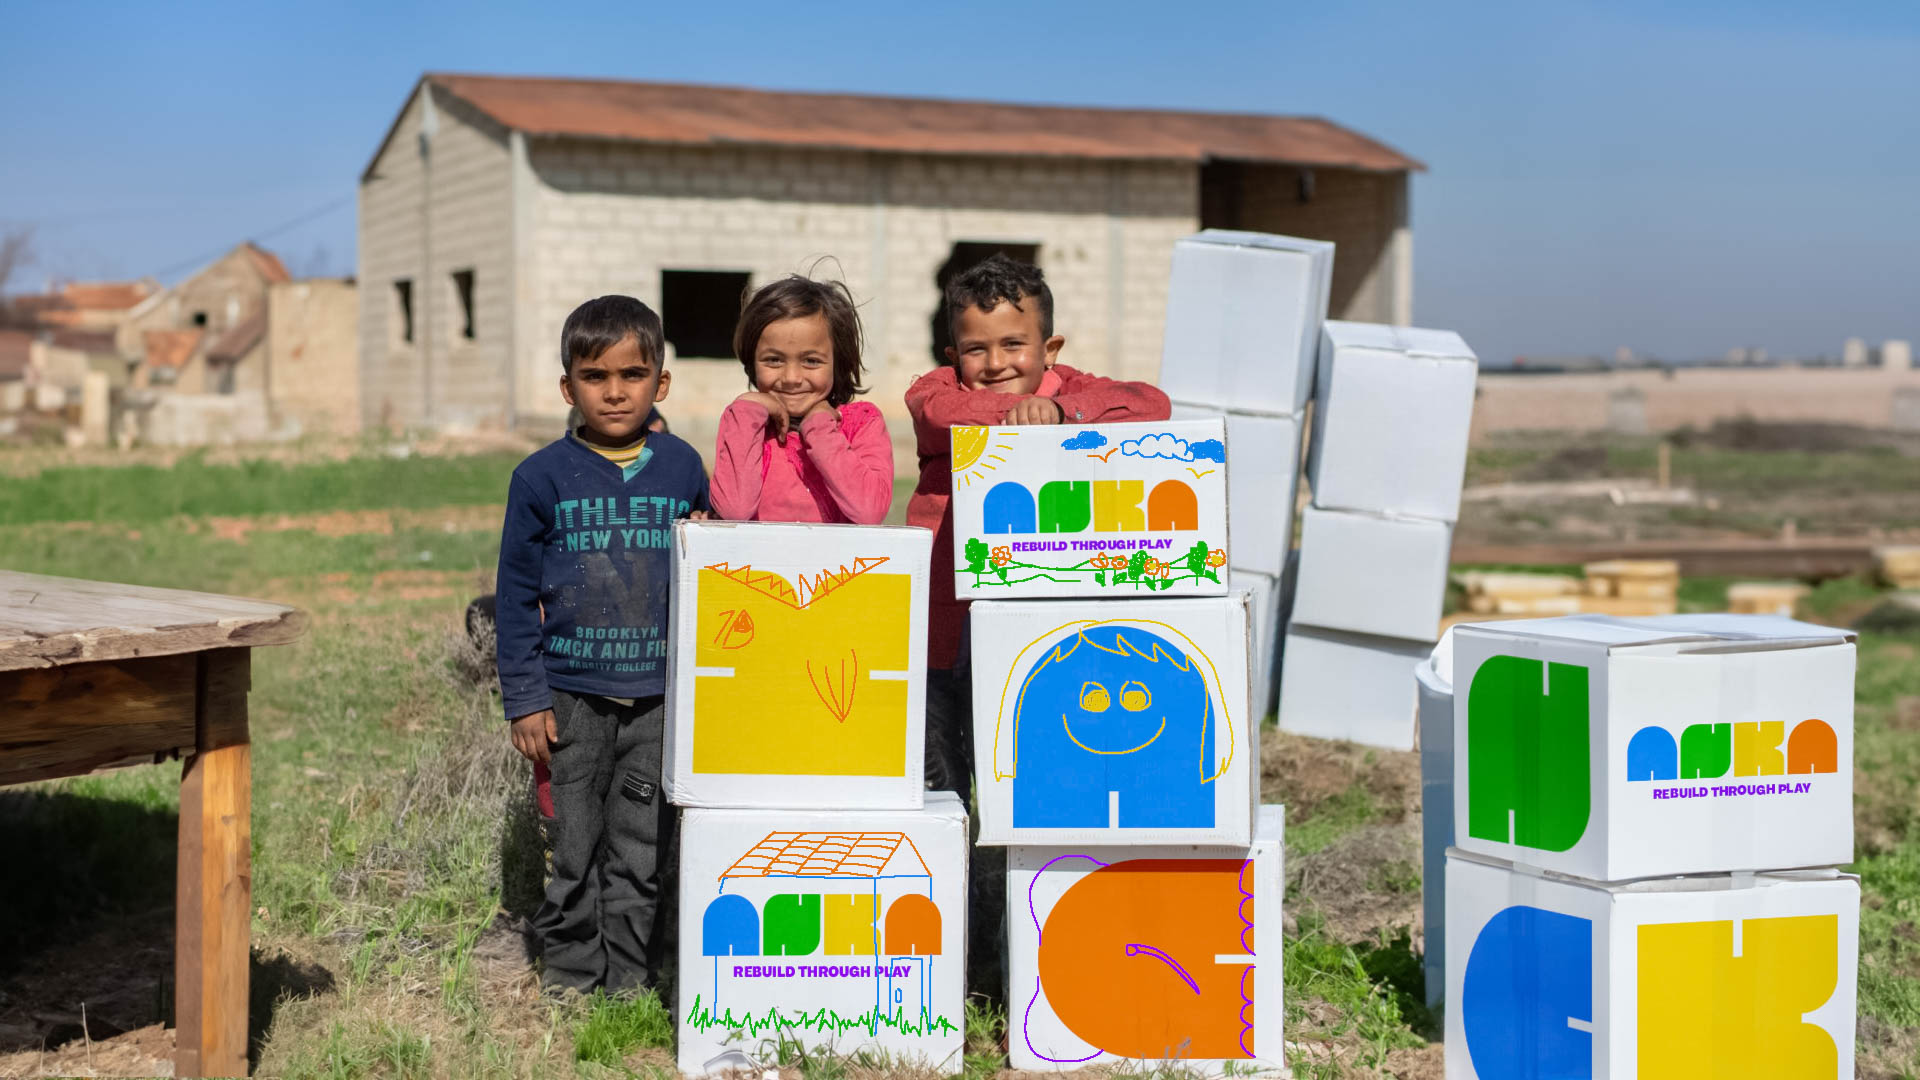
point(1134, 696)
point(1093, 697)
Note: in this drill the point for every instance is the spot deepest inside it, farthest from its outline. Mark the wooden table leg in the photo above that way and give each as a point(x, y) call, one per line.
point(214, 897)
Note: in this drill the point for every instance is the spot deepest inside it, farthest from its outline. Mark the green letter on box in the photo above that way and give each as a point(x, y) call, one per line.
point(1527, 753)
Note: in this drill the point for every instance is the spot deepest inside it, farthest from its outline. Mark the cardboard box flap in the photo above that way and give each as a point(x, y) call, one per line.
point(1436, 345)
point(1750, 627)
point(1690, 883)
point(1609, 631)
point(1238, 238)
point(1358, 335)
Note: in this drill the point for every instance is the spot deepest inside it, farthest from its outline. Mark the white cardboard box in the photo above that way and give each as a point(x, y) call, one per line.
point(1357, 687)
point(1243, 320)
point(1147, 954)
point(843, 931)
point(1263, 663)
point(1434, 675)
point(1372, 574)
point(1113, 721)
point(1112, 510)
point(1390, 420)
point(1682, 977)
point(1613, 748)
point(1262, 486)
point(799, 666)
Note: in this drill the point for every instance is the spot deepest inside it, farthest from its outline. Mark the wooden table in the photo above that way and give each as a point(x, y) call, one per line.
point(94, 675)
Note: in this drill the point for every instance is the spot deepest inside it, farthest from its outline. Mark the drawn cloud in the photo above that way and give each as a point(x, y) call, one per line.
point(1158, 446)
point(1086, 440)
point(1210, 450)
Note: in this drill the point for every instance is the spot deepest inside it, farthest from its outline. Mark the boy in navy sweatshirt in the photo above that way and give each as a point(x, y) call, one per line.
point(585, 561)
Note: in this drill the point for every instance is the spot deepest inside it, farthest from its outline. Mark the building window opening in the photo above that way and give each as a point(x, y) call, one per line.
point(199, 318)
point(463, 292)
point(966, 255)
point(403, 301)
point(699, 309)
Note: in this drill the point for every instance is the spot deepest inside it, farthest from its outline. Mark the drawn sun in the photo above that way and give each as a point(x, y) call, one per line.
point(976, 452)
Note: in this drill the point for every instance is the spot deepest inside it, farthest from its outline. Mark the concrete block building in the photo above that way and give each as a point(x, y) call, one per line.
point(494, 205)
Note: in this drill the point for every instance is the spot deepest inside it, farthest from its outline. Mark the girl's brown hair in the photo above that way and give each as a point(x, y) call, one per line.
point(796, 297)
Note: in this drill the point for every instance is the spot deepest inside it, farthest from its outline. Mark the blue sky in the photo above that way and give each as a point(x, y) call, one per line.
point(1678, 178)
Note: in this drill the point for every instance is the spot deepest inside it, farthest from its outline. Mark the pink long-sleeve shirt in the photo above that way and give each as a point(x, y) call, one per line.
point(833, 469)
point(937, 402)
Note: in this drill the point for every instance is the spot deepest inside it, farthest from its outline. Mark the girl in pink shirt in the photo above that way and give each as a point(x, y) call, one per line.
point(797, 447)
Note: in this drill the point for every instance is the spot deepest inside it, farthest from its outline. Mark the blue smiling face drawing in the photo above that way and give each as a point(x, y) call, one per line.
point(1113, 709)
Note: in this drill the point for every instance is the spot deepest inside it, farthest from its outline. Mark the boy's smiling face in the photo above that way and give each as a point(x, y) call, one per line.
point(1002, 350)
point(614, 392)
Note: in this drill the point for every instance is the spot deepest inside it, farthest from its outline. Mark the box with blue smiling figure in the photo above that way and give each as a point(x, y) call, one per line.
point(1116, 722)
point(1120, 511)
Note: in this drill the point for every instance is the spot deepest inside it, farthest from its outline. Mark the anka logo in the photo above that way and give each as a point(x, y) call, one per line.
point(1708, 751)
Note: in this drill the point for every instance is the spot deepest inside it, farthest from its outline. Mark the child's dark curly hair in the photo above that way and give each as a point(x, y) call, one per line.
point(998, 279)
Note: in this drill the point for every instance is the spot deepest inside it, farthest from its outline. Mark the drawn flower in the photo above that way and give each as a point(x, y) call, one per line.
point(1002, 556)
point(1217, 557)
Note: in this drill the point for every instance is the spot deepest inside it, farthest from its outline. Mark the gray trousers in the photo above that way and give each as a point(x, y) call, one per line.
point(606, 919)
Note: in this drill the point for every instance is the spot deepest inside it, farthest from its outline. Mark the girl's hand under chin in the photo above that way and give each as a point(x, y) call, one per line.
point(777, 419)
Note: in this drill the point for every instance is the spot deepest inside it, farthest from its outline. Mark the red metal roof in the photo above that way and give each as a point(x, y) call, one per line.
point(107, 295)
point(171, 348)
point(713, 115)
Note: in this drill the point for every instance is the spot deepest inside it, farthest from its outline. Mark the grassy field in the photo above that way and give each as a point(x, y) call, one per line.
point(393, 849)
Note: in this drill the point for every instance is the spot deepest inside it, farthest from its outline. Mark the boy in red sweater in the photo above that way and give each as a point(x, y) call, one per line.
point(1004, 369)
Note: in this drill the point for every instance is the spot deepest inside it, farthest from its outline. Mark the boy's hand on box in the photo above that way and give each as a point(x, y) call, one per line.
point(1034, 410)
point(533, 735)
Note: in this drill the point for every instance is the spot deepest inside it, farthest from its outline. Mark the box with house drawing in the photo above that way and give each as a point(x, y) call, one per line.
point(835, 930)
point(1115, 510)
point(799, 666)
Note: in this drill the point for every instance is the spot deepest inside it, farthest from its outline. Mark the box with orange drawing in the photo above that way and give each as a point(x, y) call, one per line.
point(1669, 979)
point(1113, 510)
point(798, 661)
point(1147, 954)
point(839, 931)
point(1114, 721)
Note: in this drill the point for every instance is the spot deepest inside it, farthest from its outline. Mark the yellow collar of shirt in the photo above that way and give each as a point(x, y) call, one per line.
point(622, 456)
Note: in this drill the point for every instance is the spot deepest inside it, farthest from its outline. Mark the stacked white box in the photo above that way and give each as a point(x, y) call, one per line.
point(1392, 409)
point(1647, 817)
point(1244, 315)
point(1435, 679)
point(1112, 712)
point(1243, 320)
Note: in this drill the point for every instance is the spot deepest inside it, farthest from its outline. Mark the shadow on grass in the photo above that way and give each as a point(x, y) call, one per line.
point(92, 934)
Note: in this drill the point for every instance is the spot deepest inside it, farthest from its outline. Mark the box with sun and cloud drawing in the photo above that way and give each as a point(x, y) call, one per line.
point(1118, 511)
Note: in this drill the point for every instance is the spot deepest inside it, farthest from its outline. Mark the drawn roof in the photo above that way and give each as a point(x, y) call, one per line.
point(829, 854)
point(811, 587)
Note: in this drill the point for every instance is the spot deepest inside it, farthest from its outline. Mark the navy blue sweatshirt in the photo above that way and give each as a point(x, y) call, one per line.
point(592, 544)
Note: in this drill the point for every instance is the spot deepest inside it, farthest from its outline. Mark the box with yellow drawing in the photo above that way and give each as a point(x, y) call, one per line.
point(1114, 721)
point(798, 662)
point(1119, 511)
point(1672, 979)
